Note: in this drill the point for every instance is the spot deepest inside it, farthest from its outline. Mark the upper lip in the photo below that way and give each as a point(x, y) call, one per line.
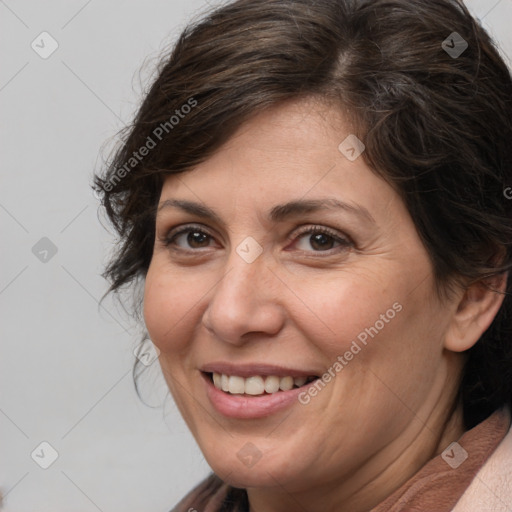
point(252, 369)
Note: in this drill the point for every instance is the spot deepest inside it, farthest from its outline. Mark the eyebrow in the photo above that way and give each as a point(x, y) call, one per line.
point(294, 208)
point(278, 213)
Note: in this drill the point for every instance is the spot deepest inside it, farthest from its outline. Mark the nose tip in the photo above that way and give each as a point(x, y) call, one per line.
point(245, 301)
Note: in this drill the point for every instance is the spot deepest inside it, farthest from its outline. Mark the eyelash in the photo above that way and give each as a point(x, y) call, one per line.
point(313, 230)
point(343, 242)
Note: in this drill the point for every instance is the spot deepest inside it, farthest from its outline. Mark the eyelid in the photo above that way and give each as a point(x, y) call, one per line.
point(312, 229)
point(343, 239)
point(171, 234)
point(186, 227)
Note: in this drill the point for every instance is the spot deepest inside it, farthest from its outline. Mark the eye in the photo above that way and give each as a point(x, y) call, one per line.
point(320, 239)
point(309, 239)
point(188, 238)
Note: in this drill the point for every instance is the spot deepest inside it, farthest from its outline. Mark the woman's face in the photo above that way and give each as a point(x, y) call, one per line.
point(280, 259)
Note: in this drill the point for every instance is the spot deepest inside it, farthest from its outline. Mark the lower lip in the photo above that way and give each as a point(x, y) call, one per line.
point(244, 407)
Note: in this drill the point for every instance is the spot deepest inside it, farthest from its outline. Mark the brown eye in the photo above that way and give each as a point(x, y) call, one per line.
point(197, 239)
point(319, 239)
point(189, 238)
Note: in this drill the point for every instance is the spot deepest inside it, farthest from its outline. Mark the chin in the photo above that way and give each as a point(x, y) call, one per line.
point(250, 477)
point(252, 469)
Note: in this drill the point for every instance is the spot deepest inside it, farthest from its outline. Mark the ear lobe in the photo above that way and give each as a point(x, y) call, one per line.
point(475, 312)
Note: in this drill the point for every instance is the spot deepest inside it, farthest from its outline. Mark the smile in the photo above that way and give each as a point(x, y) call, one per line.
point(257, 385)
point(259, 392)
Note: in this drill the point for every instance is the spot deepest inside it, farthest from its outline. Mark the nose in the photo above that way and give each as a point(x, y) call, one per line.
point(247, 300)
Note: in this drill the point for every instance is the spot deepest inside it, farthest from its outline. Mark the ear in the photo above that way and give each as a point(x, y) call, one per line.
point(475, 312)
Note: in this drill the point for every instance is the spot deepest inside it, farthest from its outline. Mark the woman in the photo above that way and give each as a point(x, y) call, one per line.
point(312, 198)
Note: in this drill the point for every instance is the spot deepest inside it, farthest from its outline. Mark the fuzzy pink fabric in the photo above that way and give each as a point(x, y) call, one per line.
point(439, 485)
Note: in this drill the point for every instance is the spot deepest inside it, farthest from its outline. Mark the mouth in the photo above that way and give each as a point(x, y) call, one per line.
point(244, 392)
point(257, 385)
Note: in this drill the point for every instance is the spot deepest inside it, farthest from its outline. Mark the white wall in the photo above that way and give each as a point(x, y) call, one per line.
point(65, 369)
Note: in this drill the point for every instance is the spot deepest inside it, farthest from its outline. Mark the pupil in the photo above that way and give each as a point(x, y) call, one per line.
point(196, 239)
point(321, 241)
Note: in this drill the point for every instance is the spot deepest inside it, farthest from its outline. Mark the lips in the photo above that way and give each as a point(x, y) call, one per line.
point(253, 391)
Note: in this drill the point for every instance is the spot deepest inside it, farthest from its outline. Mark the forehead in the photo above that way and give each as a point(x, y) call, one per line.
point(283, 154)
point(302, 135)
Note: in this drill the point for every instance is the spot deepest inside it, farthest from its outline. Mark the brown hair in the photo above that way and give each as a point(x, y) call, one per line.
point(437, 125)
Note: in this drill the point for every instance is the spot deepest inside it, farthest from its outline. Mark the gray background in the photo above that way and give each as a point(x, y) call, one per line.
point(65, 365)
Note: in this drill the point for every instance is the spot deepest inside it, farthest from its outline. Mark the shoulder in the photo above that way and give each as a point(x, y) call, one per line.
point(491, 489)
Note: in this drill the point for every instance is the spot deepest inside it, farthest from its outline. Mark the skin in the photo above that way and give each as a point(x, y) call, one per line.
point(392, 407)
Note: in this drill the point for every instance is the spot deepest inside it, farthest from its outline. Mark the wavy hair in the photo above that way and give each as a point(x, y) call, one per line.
point(435, 116)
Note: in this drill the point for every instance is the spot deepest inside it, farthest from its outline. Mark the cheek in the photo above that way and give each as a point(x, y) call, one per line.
point(370, 320)
point(169, 307)
point(339, 311)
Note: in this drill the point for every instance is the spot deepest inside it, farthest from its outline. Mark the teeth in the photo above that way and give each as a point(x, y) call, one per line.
point(272, 384)
point(256, 385)
point(224, 382)
point(286, 383)
point(300, 381)
point(236, 385)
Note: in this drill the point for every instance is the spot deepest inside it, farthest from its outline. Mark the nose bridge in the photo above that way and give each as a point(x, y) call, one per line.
point(241, 279)
point(248, 268)
point(243, 301)
point(243, 286)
